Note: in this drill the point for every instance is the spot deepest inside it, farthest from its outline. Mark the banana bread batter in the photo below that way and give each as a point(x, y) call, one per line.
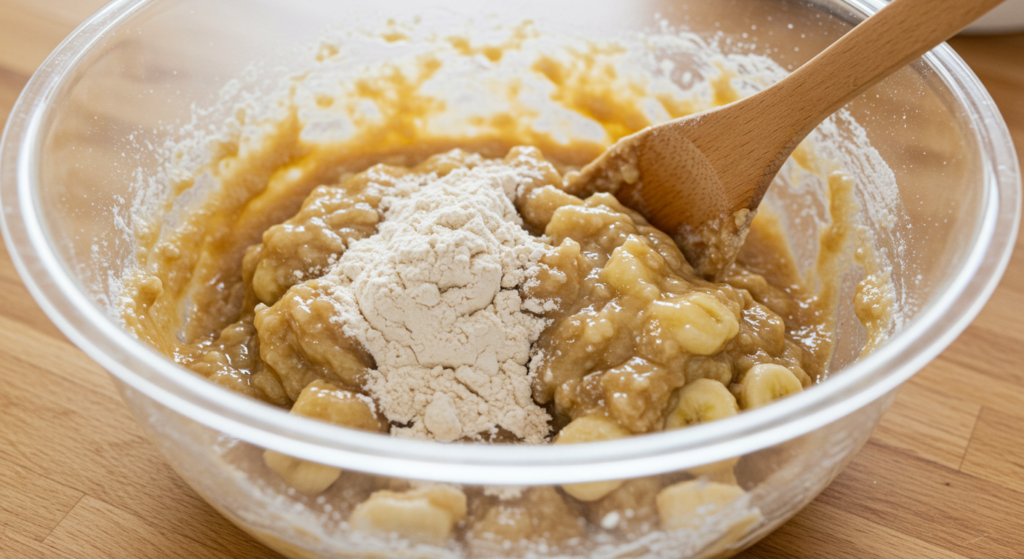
point(354, 282)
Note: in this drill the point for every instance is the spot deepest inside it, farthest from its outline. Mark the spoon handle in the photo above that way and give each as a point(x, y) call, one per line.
point(899, 33)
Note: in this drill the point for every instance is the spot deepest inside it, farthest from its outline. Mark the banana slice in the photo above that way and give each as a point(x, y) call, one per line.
point(591, 428)
point(763, 384)
point(308, 478)
point(700, 323)
point(427, 514)
point(701, 401)
point(327, 402)
point(687, 505)
point(592, 491)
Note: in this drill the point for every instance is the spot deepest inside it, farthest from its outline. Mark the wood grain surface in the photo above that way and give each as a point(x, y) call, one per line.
point(942, 476)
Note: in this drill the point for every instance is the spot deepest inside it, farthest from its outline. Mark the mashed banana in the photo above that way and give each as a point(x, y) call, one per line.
point(622, 322)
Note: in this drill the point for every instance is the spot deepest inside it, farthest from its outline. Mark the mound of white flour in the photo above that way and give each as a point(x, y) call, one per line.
point(433, 297)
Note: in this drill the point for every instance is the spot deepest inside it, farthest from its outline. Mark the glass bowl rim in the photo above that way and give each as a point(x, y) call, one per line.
point(148, 372)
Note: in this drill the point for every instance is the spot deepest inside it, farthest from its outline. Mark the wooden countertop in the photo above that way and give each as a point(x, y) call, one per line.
point(942, 476)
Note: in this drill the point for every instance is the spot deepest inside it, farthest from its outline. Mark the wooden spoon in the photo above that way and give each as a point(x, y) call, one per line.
point(700, 178)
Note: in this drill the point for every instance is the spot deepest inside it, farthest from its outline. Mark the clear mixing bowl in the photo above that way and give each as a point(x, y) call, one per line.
point(75, 152)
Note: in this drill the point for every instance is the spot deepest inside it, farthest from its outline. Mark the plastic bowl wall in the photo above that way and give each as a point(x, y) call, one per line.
point(132, 75)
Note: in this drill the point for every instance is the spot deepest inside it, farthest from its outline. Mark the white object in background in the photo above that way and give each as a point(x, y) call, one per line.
point(1004, 18)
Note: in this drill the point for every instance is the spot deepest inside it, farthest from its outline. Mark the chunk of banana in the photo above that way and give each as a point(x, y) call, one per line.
point(591, 428)
point(701, 401)
point(327, 402)
point(699, 322)
point(427, 514)
point(688, 504)
point(308, 478)
point(685, 504)
point(765, 383)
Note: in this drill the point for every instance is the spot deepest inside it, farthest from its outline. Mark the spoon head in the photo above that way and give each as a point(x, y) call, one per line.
point(664, 175)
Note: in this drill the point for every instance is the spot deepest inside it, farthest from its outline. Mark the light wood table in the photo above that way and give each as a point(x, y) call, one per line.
point(942, 476)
